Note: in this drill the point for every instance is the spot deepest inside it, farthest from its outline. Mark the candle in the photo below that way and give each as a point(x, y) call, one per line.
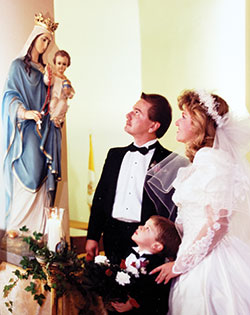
point(54, 227)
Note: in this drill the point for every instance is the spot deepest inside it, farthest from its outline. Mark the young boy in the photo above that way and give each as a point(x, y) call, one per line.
point(157, 241)
point(62, 89)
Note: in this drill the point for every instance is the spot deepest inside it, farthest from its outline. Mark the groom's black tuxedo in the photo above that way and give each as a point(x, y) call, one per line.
point(100, 219)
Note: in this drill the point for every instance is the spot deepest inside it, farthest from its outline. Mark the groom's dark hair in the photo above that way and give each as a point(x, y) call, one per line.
point(160, 111)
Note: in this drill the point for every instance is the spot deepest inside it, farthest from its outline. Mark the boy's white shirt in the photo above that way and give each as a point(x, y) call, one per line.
point(137, 261)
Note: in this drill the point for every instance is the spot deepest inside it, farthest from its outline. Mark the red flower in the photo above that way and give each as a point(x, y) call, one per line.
point(108, 273)
point(122, 264)
point(143, 263)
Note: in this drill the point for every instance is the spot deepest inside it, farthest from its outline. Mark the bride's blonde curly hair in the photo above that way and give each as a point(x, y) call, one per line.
point(204, 125)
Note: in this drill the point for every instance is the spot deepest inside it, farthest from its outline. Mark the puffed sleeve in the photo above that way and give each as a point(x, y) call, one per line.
point(212, 172)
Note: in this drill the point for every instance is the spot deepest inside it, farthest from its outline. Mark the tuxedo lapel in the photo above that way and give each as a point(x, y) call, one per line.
point(111, 173)
point(159, 154)
point(116, 156)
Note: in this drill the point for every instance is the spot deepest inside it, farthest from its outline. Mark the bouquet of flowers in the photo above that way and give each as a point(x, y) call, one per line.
point(110, 281)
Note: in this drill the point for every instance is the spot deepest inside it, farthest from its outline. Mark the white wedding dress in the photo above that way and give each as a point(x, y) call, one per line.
point(214, 264)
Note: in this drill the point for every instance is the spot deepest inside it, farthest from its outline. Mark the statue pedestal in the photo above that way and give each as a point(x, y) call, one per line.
point(9, 257)
point(12, 250)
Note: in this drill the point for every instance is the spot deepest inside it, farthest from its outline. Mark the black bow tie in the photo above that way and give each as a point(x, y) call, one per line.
point(142, 150)
point(137, 255)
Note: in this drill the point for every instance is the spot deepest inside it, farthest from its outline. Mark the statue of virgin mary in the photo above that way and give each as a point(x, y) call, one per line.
point(32, 156)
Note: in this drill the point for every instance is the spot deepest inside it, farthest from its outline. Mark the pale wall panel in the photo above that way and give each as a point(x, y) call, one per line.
point(194, 44)
point(103, 39)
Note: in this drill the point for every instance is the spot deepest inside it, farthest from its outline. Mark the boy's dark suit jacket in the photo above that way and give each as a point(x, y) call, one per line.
point(103, 201)
point(152, 297)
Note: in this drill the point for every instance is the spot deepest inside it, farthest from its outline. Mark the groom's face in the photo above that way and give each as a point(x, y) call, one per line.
point(138, 123)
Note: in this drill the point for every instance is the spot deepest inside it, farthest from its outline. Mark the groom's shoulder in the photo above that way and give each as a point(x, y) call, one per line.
point(117, 151)
point(160, 149)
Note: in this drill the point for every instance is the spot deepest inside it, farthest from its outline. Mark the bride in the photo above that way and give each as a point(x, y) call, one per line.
point(211, 272)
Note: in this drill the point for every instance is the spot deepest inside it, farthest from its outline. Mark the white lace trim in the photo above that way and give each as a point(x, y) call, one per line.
point(213, 232)
point(195, 254)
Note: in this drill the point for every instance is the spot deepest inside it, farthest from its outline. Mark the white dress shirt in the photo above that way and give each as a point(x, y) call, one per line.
point(129, 189)
point(132, 260)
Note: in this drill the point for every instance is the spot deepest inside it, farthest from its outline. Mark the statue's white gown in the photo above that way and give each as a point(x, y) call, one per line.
point(213, 263)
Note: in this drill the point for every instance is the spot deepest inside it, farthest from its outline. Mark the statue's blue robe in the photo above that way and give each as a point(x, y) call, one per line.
point(31, 154)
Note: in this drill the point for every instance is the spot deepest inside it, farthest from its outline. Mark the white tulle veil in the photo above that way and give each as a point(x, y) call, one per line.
point(233, 137)
point(233, 140)
point(159, 183)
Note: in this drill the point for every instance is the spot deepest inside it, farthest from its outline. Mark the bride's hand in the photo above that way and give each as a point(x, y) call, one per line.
point(165, 272)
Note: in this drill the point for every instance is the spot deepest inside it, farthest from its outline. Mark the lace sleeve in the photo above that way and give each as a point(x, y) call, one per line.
point(209, 236)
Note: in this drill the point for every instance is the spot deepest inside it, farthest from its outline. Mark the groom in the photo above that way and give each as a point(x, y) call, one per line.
point(120, 202)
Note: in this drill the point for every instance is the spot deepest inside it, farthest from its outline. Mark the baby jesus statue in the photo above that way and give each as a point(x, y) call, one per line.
point(62, 89)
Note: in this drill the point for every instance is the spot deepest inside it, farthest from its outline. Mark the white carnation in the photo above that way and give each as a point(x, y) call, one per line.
point(133, 270)
point(100, 259)
point(122, 278)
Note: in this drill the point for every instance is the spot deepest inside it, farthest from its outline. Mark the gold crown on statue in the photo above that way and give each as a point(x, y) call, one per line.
point(45, 22)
